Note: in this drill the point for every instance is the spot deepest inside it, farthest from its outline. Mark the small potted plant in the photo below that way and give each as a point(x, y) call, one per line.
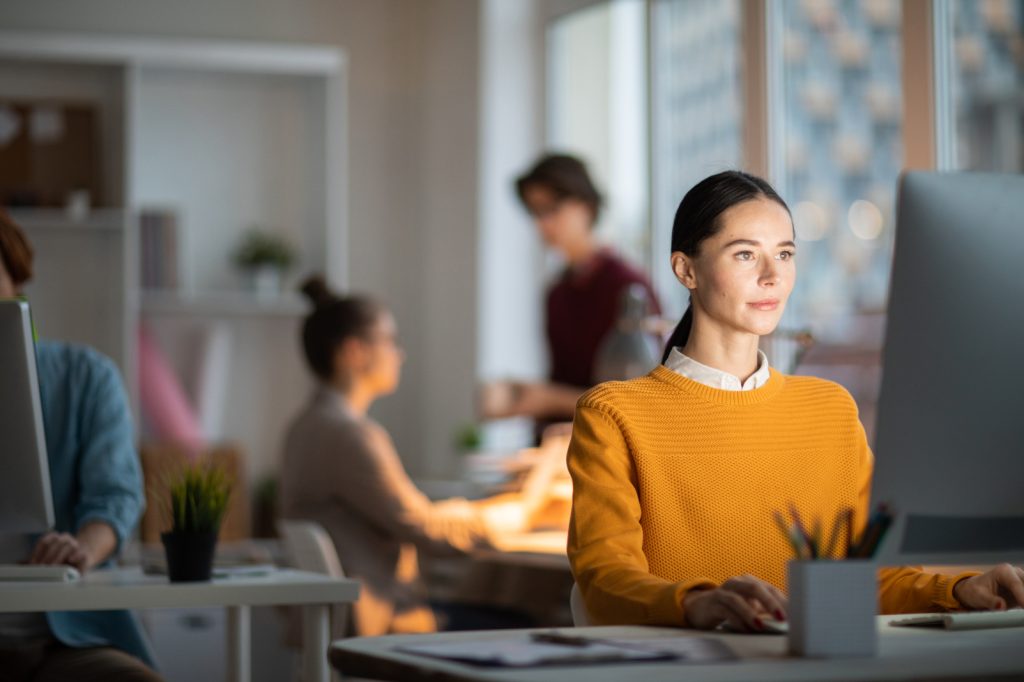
point(265, 256)
point(198, 500)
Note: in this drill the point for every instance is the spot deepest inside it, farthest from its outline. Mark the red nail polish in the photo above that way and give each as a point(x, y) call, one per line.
point(759, 624)
point(779, 615)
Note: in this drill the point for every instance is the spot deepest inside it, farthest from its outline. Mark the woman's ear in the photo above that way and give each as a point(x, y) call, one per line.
point(350, 355)
point(683, 267)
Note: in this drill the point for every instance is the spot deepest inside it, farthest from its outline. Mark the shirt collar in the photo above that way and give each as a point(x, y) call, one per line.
point(716, 378)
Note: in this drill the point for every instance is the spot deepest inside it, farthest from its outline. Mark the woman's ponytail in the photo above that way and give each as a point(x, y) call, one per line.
point(680, 335)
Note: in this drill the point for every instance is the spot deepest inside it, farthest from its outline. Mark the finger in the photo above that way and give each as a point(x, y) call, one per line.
point(59, 549)
point(78, 559)
point(63, 554)
point(758, 591)
point(740, 607)
point(41, 545)
point(47, 551)
point(1013, 583)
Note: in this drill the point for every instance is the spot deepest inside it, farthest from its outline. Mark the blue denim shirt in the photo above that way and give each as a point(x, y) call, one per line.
point(94, 474)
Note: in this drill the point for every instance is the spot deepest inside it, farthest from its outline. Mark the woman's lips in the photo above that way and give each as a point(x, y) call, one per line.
point(767, 304)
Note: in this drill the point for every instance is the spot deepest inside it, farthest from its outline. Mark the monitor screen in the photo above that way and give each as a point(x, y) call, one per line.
point(949, 452)
point(26, 506)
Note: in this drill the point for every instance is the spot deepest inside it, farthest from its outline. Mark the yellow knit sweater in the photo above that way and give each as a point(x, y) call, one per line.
point(675, 482)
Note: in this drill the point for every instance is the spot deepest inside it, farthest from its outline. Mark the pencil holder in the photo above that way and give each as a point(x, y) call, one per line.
point(832, 608)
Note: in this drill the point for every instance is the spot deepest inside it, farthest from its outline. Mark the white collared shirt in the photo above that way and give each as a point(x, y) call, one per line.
point(716, 378)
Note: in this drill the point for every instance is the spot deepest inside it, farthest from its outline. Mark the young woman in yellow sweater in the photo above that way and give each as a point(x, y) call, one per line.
point(677, 474)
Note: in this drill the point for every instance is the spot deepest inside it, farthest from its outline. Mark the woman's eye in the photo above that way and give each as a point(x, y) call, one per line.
point(745, 255)
point(786, 255)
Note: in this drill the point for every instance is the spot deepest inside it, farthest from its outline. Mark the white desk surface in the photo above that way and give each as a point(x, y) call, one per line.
point(904, 654)
point(129, 588)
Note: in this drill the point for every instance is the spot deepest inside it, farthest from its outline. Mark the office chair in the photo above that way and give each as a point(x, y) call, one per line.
point(308, 547)
point(580, 617)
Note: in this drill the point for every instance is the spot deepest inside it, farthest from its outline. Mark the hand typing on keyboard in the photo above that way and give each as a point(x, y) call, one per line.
point(91, 545)
point(999, 588)
point(60, 548)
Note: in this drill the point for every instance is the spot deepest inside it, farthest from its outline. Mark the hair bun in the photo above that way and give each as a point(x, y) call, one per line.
point(315, 289)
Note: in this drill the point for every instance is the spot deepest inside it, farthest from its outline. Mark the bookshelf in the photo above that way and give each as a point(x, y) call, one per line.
point(224, 136)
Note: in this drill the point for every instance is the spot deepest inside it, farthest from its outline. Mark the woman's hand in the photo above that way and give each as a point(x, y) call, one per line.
point(94, 542)
point(60, 548)
point(740, 602)
point(999, 588)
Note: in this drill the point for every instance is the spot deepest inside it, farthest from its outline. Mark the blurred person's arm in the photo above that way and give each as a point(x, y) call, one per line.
point(542, 400)
point(91, 546)
point(371, 482)
point(109, 497)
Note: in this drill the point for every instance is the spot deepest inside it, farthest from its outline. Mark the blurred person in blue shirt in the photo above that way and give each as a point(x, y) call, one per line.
point(98, 497)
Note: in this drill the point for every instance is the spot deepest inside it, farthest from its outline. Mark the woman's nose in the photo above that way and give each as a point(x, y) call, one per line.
point(770, 273)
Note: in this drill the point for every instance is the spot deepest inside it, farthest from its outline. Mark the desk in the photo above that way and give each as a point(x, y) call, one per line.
point(904, 654)
point(545, 549)
point(527, 573)
point(130, 589)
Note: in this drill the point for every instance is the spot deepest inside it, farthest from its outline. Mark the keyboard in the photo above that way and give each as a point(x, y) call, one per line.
point(966, 620)
point(38, 573)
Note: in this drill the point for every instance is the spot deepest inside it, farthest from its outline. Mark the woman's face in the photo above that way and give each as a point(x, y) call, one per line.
point(561, 221)
point(380, 357)
point(741, 277)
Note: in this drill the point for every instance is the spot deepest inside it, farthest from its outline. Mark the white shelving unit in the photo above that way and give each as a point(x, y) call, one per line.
point(229, 136)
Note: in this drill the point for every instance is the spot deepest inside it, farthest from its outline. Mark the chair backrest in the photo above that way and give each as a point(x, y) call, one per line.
point(580, 617)
point(308, 547)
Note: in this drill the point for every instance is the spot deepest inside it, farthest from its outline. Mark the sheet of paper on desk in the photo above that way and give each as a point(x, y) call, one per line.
point(520, 651)
point(689, 649)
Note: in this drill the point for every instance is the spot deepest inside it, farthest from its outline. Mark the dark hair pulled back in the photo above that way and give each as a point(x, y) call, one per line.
point(697, 219)
point(334, 319)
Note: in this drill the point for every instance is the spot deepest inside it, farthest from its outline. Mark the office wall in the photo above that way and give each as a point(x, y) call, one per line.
point(412, 170)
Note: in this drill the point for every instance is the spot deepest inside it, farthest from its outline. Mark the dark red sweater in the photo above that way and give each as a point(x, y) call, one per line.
point(582, 307)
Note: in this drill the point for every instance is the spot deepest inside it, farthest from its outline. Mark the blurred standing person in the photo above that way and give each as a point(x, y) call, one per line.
point(583, 303)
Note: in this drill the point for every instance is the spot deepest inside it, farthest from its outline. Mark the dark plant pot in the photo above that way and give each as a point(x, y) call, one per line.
point(189, 555)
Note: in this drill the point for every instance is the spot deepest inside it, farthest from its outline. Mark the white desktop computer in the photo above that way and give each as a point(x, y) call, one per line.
point(26, 506)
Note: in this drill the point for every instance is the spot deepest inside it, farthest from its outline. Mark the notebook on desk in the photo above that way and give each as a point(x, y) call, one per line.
point(965, 620)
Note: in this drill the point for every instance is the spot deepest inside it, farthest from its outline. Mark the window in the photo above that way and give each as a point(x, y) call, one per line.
point(696, 114)
point(842, 148)
point(597, 110)
point(988, 84)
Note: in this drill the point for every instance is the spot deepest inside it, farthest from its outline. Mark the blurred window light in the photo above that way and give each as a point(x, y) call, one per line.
point(597, 110)
point(865, 220)
point(842, 153)
point(988, 84)
point(696, 113)
point(810, 221)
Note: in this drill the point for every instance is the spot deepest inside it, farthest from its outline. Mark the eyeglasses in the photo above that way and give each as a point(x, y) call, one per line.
point(545, 210)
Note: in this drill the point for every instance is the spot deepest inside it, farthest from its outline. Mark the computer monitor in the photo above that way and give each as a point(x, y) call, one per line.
point(26, 506)
point(949, 452)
